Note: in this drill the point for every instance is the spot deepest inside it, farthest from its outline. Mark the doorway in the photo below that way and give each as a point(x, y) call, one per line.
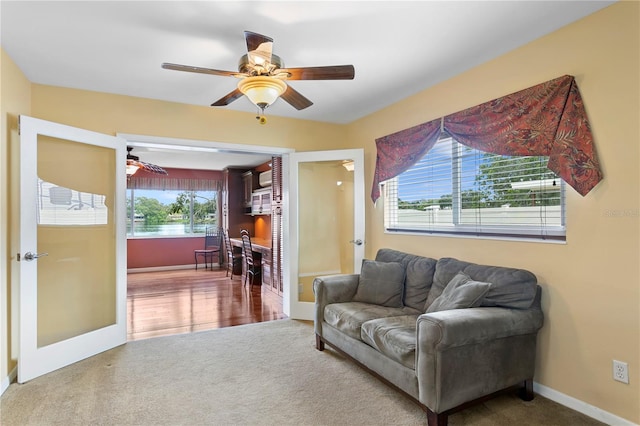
point(204, 299)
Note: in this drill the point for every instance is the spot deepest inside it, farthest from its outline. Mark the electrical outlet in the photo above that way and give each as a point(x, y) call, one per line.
point(620, 371)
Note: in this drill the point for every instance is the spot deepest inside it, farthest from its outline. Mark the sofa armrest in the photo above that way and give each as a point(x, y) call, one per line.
point(464, 354)
point(332, 289)
point(439, 331)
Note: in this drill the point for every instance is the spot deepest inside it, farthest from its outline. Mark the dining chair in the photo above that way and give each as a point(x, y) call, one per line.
point(251, 268)
point(211, 247)
point(233, 258)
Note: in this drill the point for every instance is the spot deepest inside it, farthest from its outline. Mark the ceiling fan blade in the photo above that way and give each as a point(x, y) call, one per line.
point(294, 98)
point(227, 99)
point(188, 68)
point(331, 72)
point(147, 167)
point(259, 48)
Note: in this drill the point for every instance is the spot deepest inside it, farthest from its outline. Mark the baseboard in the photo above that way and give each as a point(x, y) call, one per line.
point(6, 381)
point(580, 406)
point(166, 268)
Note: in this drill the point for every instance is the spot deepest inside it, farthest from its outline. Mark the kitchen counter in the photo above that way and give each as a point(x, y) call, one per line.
point(260, 245)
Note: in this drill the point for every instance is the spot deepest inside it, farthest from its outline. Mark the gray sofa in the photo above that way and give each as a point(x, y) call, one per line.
point(446, 332)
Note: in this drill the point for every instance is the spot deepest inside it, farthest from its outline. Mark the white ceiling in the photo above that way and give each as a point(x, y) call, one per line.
point(198, 159)
point(398, 48)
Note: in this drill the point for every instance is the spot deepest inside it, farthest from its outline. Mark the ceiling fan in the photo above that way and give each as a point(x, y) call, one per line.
point(262, 76)
point(134, 164)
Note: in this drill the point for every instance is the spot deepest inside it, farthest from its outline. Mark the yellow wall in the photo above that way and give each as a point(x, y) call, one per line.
point(591, 284)
point(15, 99)
point(110, 114)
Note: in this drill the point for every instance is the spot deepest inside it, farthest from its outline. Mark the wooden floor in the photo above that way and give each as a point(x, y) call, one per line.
point(186, 300)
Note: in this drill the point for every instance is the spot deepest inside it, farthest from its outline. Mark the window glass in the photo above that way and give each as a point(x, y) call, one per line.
point(460, 190)
point(170, 213)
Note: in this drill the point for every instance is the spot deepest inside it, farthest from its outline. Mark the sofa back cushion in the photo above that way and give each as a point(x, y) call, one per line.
point(510, 287)
point(380, 283)
point(418, 278)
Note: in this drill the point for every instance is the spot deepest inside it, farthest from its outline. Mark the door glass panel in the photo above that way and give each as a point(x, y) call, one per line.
point(325, 212)
point(76, 227)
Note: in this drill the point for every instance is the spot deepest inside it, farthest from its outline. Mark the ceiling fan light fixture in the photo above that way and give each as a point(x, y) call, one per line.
point(262, 91)
point(134, 164)
point(349, 165)
point(132, 168)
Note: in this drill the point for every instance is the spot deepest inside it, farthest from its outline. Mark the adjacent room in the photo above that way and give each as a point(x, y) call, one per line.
point(438, 193)
point(179, 241)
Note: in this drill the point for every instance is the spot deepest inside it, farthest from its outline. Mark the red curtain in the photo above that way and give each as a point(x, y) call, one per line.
point(548, 119)
point(399, 151)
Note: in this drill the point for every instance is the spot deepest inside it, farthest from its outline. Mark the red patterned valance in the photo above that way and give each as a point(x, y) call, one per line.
point(547, 120)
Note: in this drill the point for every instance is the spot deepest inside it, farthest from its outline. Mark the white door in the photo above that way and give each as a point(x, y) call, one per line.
point(72, 256)
point(324, 194)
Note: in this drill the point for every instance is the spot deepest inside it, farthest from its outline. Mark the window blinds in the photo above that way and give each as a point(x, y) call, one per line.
point(457, 189)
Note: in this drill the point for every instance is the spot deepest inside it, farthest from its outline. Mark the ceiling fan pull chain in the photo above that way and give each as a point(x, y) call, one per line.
point(260, 117)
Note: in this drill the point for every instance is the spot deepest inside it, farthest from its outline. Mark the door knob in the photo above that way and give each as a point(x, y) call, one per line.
point(357, 242)
point(28, 256)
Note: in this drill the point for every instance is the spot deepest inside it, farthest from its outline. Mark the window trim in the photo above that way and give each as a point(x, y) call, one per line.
point(485, 236)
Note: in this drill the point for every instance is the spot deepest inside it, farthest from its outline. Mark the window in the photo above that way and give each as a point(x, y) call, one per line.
point(170, 212)
point(455, 189)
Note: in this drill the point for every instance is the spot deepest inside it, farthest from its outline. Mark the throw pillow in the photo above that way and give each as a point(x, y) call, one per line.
point(461, 292)
point(380, 283)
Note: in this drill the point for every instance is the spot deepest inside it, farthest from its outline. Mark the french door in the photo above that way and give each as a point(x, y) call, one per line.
point(72, 296)
point(325, 233)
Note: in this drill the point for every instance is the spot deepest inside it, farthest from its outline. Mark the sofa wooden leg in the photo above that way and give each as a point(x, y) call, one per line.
point(435, 419)
point(526, 392)
point(319, 343)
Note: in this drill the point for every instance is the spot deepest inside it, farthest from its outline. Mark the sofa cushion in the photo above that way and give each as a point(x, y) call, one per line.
point(394, 337)
point(348, 317)
point(419, 272)
point(380, 283)
point(510, 287)
point(461, 292)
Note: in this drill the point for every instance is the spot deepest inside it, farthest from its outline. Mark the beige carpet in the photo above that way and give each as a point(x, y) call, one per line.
point(259, 374)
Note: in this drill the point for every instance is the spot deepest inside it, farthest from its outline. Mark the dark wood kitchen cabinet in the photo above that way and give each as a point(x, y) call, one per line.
point(249, 184)
point(233, 204)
